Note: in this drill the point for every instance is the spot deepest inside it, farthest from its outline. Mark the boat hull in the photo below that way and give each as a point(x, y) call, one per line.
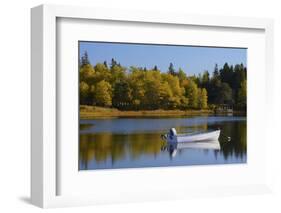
point(201, 137)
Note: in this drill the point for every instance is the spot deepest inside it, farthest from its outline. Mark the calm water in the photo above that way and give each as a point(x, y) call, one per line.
point(135, 142)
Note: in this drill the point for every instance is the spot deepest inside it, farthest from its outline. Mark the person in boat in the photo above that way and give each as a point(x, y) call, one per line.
point(172, 133)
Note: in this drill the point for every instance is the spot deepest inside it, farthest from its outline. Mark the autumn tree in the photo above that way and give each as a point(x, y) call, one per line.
point(191, 92)
point(152, 85)
point(166, 95)
point(103, 94)
point(84, 92)
point(117, 73)
point(181, 75)
point(177, 91)
point(202, 98)
point(102, 73)
point(87, 74)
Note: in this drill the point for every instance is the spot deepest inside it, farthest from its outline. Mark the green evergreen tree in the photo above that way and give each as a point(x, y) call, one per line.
point(85, 59)
point(171, 69)
point(242, 95)
point(122, 95)
point(155, 68)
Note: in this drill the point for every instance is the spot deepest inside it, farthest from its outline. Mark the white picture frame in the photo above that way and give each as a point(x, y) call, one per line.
point(44, 149)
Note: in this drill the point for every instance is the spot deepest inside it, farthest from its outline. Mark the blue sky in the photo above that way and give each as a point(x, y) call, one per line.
point(192, 59)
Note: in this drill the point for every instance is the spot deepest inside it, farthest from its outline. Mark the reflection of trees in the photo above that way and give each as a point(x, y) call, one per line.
point(144, 144)
point(105, 146)
point(108, 147)
point(100, 147)
point(85, 126)
point(238, 145)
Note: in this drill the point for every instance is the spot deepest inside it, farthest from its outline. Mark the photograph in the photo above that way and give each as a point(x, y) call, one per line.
point(161, 105)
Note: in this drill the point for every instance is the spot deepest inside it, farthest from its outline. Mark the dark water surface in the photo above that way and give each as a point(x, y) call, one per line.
point(109, 143)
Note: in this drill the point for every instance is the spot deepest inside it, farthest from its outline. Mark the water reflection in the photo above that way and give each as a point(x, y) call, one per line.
point(104, 149)
point(173, 148)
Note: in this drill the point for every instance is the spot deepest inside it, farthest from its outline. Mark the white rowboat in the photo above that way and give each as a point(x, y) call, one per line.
point(173, 137)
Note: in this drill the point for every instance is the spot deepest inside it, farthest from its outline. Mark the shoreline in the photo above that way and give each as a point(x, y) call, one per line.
point(90, 112)
point(143, 113)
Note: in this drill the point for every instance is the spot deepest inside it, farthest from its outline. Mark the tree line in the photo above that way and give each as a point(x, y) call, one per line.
point(139, 88)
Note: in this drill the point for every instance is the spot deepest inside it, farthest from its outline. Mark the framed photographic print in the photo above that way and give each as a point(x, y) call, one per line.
point(125, 110)
point(149, 106)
